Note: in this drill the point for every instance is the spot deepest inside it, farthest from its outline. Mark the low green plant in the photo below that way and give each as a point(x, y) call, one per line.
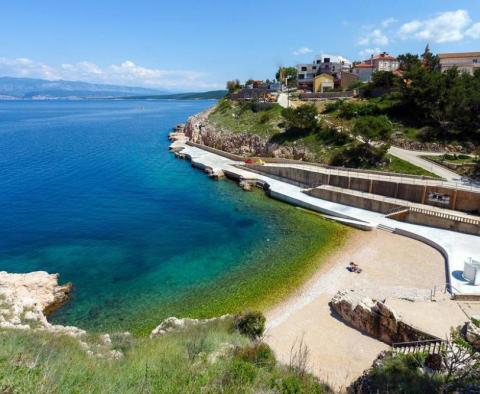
point(303, 117)
point(41, 362)
point(259, 354)
point(250, 324)
point(373, 128)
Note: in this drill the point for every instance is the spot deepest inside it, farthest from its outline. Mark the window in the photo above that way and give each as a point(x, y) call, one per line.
point(475, 61)
point(314, 67)
point(326, 60)
point(301, 76)
point(304, 68)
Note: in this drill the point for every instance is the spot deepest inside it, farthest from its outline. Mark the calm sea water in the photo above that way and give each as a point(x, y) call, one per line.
point(89, 190)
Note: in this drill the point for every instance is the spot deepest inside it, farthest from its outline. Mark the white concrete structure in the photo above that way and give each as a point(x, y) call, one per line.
point(471, 271)
point(455, 247)
point(324, 63)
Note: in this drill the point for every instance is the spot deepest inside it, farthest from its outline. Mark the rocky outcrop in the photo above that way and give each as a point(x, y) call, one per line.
point(201, 131)
point(430, 146)
point(374, 318)
point(26, 299)
point(472, 335)
point(174, 324)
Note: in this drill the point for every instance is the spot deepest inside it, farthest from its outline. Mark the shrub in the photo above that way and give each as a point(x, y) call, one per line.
point(361, 155)
point(332, 106)
point(250, 324)
point(349, 110)
point(259, 354)
point(294, 384)
point(373, 128)
point(239, 373)
point(223, 105)
point(265, 117)
point(303, 117)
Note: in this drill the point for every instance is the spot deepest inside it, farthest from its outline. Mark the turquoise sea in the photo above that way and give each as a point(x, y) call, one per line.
point(89, 190)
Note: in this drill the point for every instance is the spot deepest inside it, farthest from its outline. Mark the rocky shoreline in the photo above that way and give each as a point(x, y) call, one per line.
point(27, 299)
point(200, 130)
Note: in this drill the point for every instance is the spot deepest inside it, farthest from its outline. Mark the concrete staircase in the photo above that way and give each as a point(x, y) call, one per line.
point(430, 346)
point(385, 228)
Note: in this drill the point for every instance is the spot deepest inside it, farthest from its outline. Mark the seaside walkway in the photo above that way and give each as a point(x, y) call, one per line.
point(456, 247)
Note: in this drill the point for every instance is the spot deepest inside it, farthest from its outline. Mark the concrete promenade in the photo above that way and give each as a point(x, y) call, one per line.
point(456, 247)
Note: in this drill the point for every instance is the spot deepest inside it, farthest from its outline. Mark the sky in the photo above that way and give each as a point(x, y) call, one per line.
point(198, 45)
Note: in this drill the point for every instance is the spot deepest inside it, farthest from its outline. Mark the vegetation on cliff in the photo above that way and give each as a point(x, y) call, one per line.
point(203, 359)
point(306, 128)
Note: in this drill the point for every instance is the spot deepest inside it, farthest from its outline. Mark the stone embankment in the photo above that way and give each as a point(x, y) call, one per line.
point(374, 318)
point(200, 130)
point(431, 146)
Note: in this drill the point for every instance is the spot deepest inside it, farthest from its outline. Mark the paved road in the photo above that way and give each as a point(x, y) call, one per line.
point(414, 158)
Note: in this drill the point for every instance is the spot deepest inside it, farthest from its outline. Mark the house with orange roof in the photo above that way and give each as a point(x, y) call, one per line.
point(380, 62)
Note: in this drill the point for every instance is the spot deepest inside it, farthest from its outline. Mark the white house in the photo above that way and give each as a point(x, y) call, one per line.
point(380, 62)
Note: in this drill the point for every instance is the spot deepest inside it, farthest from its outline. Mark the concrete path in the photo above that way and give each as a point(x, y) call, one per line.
point(413, 157)
point(457, 247)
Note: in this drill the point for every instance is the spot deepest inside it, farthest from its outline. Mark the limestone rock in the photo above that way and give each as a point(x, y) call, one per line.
point(199, 130)
point(374, 318)
point(472, 335)
point(174, 324)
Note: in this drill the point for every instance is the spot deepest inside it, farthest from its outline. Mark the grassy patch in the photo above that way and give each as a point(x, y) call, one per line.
point(237, 118)
point(404, 167)
point(174, 363)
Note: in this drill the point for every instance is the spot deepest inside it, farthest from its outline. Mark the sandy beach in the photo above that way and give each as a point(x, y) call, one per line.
point(392, 267)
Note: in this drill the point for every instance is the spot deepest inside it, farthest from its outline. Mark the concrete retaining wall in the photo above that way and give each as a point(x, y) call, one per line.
point(446, 222)
point(460, 200)
point(353, 201)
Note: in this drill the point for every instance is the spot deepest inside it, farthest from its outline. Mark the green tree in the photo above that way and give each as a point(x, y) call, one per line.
point(303, 117)
point(233, 85)
point(408, 60)
point(429, 60)
point(373, 128)
point(384, 79)
point(287, 72)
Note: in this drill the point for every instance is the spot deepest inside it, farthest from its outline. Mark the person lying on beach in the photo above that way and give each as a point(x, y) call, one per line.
point(354, 267)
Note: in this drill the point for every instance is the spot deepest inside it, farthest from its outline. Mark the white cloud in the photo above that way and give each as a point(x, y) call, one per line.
point(473, 31)
point(367, 52)
point(448, 26)
point(125, 73)
point(302, 51)
point(387, 22)
point(375, 37)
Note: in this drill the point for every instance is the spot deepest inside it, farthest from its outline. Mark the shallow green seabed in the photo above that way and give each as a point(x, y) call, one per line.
point(274, 273)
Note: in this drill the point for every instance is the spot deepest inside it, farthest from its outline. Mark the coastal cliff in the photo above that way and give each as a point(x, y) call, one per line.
point(27, 299)
point(201, 131)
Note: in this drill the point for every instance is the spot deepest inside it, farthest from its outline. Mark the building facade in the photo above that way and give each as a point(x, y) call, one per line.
point(380, 62)
point(322, 64)
point(464, 61)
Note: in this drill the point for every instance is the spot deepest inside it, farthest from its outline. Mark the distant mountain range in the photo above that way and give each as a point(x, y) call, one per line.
point(211, 95)
point(40, 89)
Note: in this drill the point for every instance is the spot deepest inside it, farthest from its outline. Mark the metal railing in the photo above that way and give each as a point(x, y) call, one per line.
point(447, 216)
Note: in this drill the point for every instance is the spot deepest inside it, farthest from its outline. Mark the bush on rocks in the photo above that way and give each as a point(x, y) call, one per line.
point(250, 324)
